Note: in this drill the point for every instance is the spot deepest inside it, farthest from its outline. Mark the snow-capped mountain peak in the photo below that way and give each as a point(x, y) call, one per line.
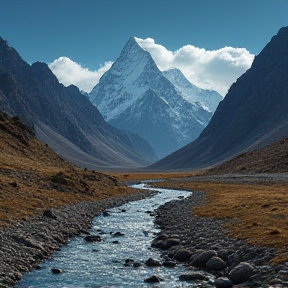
point(135, 95)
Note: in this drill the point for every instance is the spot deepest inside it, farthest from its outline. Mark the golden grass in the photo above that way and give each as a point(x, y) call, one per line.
point(129, 176)
point(261, 210)
point(33, 177)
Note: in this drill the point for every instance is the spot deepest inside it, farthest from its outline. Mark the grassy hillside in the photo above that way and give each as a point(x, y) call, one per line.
point(33, 177)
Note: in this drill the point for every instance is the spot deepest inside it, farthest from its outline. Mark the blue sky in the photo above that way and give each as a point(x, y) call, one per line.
point(93, 32)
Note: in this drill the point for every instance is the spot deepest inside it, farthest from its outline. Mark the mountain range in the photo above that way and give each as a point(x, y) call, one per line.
point(64, 118)
point(162, 107)
point(254, 113)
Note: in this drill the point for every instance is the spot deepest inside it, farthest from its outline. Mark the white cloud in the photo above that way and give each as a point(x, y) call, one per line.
point(69, 72)
point(216, 69)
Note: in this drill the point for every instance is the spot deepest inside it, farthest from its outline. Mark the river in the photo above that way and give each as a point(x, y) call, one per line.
point(101, 264)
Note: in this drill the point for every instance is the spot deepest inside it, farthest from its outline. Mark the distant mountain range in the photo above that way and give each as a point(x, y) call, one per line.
point(162, 107)
point(64, 118)
point(254, 113)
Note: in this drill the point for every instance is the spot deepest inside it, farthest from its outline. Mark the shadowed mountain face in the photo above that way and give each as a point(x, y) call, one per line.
point(64, 118)
point(254, 113)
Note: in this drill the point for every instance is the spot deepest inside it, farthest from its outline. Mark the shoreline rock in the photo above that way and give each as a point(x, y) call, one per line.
point(209, 247)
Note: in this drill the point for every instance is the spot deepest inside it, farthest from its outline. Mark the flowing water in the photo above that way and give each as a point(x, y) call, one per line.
point(101, 264)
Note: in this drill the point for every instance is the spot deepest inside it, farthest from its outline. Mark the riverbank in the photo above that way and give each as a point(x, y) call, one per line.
point(24, 245)
point(242, 218)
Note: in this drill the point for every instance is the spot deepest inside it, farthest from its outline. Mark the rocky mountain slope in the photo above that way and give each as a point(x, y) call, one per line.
point(272, 158)
point(135, 95)
point(254, 113)
point(64, 118)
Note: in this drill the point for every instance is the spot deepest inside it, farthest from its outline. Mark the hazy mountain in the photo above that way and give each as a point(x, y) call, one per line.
point(135, 95)
point(64, 118)
point(253, 113)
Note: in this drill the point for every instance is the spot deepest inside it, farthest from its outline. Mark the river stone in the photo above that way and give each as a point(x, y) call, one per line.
point(161, 237)
point(170, 264)
point(118, 234)
point(182, 255)
point(158, 244)
point(223, 283)
point(50, 214)
point(92, 238)
point(192, 276)
point(201, 259)
point(105, 213)
point(129, 262)
point(241, 273)
point(216, 264)
point(136, 264)
point(152, 262)
point(153, 279)
point(171, 242)
point(56, 271)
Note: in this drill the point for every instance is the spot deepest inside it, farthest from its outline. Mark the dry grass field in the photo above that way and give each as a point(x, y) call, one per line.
point(255, 212)
point(33, 177)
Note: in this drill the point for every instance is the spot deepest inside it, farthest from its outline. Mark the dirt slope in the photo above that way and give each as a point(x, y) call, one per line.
point(269, 159)
point(33, 177)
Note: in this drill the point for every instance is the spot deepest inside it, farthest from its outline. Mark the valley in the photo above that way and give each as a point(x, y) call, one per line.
point(67, 158)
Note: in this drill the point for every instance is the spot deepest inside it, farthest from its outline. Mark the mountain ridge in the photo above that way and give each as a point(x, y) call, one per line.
point(34, 93)
point(254, 113)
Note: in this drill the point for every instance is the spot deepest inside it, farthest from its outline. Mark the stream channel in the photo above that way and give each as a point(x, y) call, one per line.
point(101, 264)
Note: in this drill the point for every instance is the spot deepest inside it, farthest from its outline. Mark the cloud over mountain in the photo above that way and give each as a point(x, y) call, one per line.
point(69, 72)
point(215, 70)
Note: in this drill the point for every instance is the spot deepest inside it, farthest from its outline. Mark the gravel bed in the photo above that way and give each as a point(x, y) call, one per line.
point(26, 244)
point(203, 246)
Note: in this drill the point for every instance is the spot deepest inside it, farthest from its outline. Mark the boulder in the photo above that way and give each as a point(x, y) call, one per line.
point(241, 273)
point(170, 242)
point(118, 234)
point(216, 264)
point(201, 259)
point(223, 283)
point(50, 214)
point(153, 279)
point(170, 264)
point(182, 255)
point(56, 270)
point(192, 276)
point(92, 238)
point(152, 263)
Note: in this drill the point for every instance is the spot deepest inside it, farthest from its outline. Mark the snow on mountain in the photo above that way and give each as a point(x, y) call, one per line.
point(208, 99)
point(135, 95)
